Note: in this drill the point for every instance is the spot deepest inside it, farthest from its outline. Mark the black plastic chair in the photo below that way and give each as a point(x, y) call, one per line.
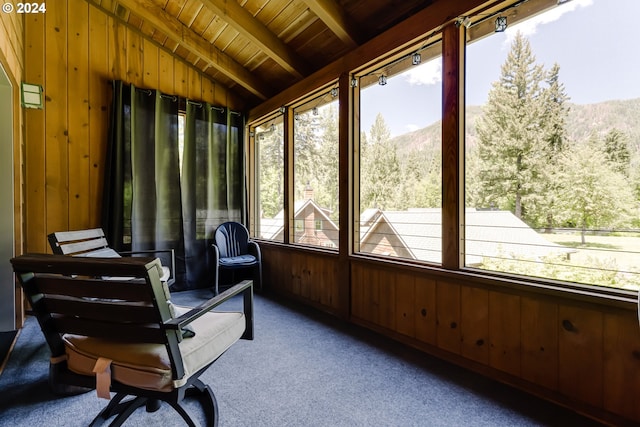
point(234, 250)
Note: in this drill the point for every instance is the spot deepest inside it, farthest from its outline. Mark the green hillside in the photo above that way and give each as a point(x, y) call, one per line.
point(623, 115)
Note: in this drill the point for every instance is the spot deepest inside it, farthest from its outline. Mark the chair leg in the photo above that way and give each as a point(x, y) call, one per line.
point(153, 405)
point(259, 275)
point(208, 402)
point(117, 407)
point(217, 280)
point(127, 410)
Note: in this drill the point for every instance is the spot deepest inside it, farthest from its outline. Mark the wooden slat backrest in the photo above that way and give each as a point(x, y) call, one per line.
point(77, 242)
point(68, 296)
point(70, 236)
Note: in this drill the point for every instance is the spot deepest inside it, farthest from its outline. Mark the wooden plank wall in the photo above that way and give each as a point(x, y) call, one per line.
point(580, 354)
point(310, 277)
point(12, 60)
point(12, 43)
point(74, 50)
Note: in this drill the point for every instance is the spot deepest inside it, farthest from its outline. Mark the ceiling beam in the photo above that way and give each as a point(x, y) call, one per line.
point(212, 56)
point(401, 36)
point(336, 19)
point(249, 27)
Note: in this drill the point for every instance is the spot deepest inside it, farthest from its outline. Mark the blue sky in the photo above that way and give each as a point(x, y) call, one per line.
point(591, 40)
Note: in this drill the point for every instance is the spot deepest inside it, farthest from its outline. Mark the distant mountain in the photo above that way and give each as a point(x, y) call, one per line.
point(623, 115)
point(604, 116)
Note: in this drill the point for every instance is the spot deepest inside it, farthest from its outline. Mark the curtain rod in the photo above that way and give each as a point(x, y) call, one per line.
point(174, 98)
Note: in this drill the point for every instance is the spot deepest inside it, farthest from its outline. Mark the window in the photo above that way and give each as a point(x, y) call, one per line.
point(315, 177)
point(269, 143)
point(400, 158)
point(552, 153)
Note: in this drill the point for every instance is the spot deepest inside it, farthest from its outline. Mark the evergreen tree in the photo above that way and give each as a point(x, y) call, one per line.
point(380, 170)
point(327, 161)
point(594, 195)
point(520, 132)
point(420, 182)
point(305, 151)
point(542, 204)
point(616, 145)
point(555, 111)
point(270, 145)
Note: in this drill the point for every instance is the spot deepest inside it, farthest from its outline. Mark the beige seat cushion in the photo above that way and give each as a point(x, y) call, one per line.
point(147, 365)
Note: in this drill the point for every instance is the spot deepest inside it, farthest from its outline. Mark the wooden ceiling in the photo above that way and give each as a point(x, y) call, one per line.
point(257, 48)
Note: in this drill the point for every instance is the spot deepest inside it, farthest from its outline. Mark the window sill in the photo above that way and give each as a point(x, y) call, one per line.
point(602, 296)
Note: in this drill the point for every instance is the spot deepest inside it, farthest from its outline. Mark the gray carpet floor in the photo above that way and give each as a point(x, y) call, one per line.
point(303, 369)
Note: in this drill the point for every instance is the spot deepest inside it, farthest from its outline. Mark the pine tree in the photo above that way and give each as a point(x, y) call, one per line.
point(616, 145)
point(521, 129)
point(327, 172)
point(542, 203)
point(270, 146)
point(420, 183)
point(380, 170)
point(594, 195)
point(305, 151)
point(555, 110)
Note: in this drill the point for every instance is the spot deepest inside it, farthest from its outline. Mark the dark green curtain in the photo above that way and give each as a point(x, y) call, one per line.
point(212, 190)
point(153, 201)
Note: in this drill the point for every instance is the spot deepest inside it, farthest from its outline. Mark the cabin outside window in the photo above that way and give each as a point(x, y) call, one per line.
point(400, 190)
point(315, 176)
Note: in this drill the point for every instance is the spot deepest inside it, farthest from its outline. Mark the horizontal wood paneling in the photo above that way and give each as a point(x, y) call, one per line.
point(73, 51)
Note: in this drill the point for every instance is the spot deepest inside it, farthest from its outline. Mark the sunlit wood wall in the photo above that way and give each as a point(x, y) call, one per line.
point(12, 44)
point(582, 354)
point(12, 60)
point(74, 50)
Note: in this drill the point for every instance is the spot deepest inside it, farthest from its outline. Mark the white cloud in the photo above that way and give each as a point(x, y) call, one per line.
point(429, 73)
point(530, 26)
point(411, 127)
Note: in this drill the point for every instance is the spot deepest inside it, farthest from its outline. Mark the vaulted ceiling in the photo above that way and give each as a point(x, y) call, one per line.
point(257, 48)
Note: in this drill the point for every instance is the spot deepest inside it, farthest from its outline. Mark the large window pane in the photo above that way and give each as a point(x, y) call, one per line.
point(269, 142)
point(553, 147)
point(400, 159)
point(315, 216)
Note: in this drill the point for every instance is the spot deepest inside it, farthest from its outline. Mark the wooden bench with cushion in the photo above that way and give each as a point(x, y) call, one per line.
point(93, 243)
point(124, 336)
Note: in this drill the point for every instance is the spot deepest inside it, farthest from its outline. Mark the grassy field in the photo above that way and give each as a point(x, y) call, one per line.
point(622, 252)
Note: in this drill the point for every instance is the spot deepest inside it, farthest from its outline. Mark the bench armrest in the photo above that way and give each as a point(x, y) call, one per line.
point(245, 287)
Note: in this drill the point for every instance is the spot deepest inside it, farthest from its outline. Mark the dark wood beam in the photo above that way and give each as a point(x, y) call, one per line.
point(453, 49)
